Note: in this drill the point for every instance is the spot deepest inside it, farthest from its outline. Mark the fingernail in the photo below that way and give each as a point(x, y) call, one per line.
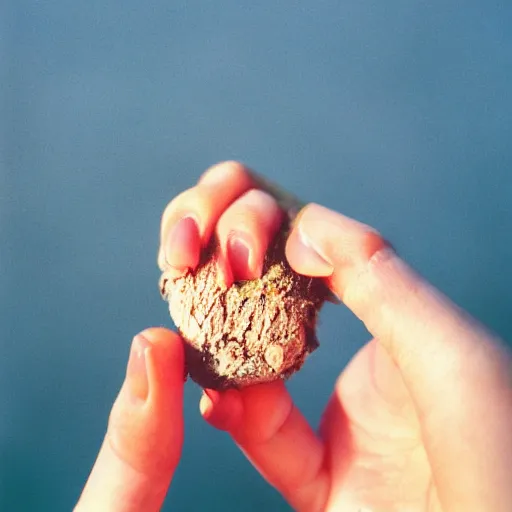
point(136, 372)
point(239, 254)
point(183, 244)
point(213, 395)
point(208, 401)
point(312, 254)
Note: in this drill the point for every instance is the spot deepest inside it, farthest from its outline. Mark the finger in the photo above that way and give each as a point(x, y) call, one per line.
point(244, 231)
point(222, 410)
point(457, 373)
point(143, 443)
point(189, 219)
point(276, 438)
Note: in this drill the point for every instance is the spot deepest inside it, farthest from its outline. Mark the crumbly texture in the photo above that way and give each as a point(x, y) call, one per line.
point(252, 332)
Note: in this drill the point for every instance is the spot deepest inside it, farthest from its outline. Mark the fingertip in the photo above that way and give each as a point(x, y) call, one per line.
point(304, 259)
point(222, 410)
point(251, 414)
point(326, 243)
point(266, 407)
point(245, 231)
point(165, 366)
point(157, 361)
point(161, 336)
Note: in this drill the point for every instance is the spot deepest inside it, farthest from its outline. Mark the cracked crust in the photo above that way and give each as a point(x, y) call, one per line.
point(252, 332)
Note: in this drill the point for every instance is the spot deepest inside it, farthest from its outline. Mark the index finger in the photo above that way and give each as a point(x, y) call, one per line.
point(458, 374)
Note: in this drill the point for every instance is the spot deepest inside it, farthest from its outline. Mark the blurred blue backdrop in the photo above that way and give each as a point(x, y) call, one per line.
point(398, 113)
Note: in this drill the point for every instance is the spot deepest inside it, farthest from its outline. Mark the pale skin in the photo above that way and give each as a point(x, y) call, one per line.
point(419, 421)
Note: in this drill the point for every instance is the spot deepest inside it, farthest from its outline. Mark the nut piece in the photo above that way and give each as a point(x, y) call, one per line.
point(274, 357)
point(252, 332)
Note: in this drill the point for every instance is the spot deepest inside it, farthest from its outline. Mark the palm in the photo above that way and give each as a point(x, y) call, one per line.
point(373, 441)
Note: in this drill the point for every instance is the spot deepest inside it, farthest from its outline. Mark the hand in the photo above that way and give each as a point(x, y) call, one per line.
point(419, 420)
point(144, 438)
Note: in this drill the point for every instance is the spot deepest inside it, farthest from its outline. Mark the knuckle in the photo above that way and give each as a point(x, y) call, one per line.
point(259, 200)
point(357, 250)
point(178, 203)
point(249, 210)
point(221, 171)
point(372, 244)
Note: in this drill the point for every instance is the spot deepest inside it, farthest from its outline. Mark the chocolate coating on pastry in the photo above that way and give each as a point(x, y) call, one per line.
point(252, 332)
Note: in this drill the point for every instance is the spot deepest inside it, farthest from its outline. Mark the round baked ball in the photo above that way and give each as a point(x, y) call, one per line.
point(252, 332)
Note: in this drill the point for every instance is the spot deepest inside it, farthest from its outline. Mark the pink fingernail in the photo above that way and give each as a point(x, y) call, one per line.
point(136, 372)
point(183, 245)
point(239, 253)
point(312, 254)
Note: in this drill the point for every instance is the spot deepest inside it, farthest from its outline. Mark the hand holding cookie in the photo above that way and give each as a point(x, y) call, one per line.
point(419, 420)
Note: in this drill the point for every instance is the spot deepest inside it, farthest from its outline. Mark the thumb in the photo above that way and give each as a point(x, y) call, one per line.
point(143, 443)
point(457, 373)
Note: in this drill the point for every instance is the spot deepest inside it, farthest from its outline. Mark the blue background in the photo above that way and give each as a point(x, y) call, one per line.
point(398, 113)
